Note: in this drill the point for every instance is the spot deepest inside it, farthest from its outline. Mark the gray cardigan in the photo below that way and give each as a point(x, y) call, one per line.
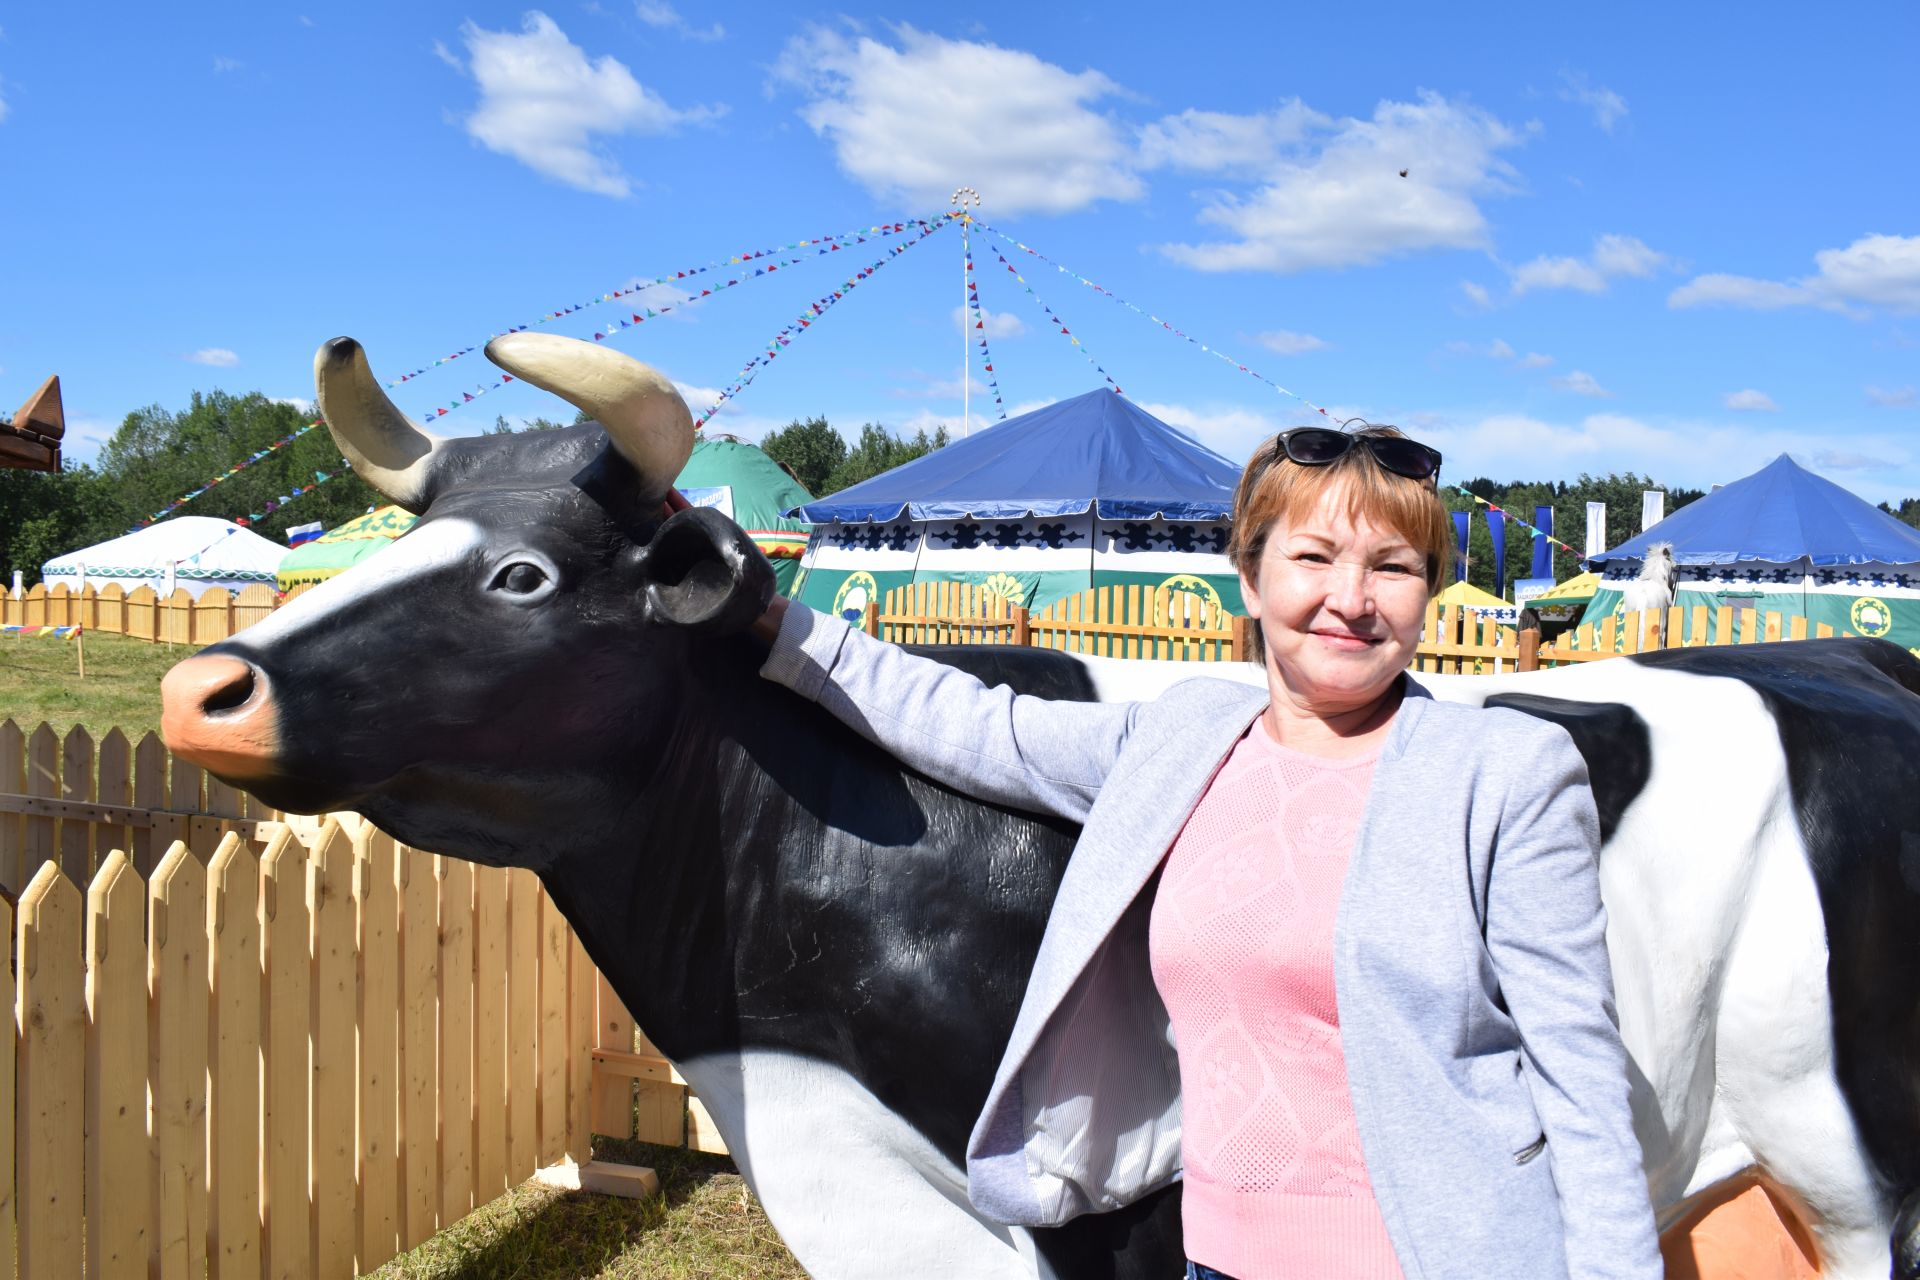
point(1470, 962)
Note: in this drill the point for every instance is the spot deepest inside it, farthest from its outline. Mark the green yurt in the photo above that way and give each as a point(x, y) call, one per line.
point(752, 490)
point(342, 548)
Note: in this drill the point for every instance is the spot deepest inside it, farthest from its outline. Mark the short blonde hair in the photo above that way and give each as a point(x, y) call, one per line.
point(1273, 489)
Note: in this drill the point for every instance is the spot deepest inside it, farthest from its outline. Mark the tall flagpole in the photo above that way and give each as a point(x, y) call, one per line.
point(962, 198)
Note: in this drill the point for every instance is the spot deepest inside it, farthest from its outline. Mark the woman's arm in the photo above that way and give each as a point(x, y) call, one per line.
point(1028, 753)
point(1547, 934)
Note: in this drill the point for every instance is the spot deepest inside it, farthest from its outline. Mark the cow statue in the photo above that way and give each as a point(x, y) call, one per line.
point(549, 671)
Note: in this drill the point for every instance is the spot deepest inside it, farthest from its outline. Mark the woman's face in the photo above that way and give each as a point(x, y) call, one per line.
point(1340, 606)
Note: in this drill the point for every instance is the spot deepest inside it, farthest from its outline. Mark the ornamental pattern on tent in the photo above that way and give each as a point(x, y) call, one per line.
point(873, 537)
point(1175, 537)
point(965, 535)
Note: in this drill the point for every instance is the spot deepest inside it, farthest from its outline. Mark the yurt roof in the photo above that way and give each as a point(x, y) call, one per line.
point(759, 488)
point(197, 547)
point(343, 546)
point(1098, 450)
point(1575, 590)
point(1780, 514)
point(1465, 593)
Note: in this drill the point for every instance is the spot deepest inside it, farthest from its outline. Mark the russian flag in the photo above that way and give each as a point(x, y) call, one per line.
point(304, 533)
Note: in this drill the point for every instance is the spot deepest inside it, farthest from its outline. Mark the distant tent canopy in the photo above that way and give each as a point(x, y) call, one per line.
point(339, 549)
point(1476, 600)
point(1786, 541)
point(751, 489)
point(1092, 491)
point(198, 553)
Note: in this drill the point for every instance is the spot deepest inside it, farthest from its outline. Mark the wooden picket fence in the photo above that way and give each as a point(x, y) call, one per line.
point(142, 612)
point(1675, 628)
point(274, 1045)
point(1111, 622)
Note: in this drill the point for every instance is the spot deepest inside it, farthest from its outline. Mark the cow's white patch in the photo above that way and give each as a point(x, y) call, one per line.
point(421, 551)
point(856, 1192)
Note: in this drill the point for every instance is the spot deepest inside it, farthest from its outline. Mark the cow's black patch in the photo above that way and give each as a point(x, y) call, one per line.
point(1849, 723)
point(1043, 673)
point(1612, 739)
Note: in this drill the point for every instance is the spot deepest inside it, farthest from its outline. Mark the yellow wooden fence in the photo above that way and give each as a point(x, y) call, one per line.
point(142, 613)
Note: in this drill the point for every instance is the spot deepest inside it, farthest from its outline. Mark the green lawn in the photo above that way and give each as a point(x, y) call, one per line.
point(704, 1225)
point(39, 680)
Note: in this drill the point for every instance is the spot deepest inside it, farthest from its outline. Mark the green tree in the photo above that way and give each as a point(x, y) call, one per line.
point(880, 450)
point(1907, 513)
point(1569, 501)
point(811, 450)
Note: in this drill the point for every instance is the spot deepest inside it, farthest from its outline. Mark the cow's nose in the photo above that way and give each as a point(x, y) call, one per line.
point(216, 711)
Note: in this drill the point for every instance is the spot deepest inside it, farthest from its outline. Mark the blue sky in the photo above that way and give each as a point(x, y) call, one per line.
point(1672, 239)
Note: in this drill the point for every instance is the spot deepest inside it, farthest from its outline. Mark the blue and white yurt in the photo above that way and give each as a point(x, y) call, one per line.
point(1087, 492)
point(1783, 540)
point(200, 553)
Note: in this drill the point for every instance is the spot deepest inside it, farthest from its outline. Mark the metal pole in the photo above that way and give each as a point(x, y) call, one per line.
point(962, 198)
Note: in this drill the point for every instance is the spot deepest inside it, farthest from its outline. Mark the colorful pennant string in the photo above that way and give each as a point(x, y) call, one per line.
point(1058, 323)
point(298, 491)
point(1181, 333)
point(821, 245)
point(1538, 533)
point(979, 319)
point(804, 321)
point(228, 474)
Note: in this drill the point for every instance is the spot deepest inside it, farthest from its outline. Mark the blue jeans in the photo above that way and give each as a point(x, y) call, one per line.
point(1197, 1272)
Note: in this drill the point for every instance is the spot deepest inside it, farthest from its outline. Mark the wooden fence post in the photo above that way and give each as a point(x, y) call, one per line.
point(872, 622)
point(119, 1166)
point(1022, 626)
point(1244, 639)
point(51, 1130)
point(1529, 650)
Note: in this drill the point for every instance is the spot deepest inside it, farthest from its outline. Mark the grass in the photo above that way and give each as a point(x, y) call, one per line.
point(39, 681)
point(704, 1225)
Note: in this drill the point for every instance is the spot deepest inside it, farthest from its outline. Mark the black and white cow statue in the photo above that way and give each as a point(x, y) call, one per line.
point(832, 947)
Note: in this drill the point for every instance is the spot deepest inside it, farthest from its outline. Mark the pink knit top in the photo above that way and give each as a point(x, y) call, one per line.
point(1242, 949)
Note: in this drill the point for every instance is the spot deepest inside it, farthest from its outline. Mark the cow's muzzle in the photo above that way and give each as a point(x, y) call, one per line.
point(216, 711)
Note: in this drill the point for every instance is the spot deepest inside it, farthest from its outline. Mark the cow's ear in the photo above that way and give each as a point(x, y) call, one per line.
point(703, 573)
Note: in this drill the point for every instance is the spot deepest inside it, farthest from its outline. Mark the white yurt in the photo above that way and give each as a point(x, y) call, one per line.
point(195, 552)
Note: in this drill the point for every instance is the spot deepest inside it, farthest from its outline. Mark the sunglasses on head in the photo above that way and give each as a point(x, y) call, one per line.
point(1318, 446)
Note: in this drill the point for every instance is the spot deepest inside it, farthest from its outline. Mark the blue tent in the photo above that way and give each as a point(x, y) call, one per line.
point(1092, 491)
point(1098, 451)
point(1787, 541)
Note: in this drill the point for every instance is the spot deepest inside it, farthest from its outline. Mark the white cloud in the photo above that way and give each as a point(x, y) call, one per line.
point(305, 21)
point(1893, 397)
point(544, 103)
point(999, 324)
point(1607, 106)
point(223, 65)
point(218, 357)
point(1338, 200)
point(1229, 431)
point(1534, 360)
point(1476, 294)
point(1873, 271)
point(1581, 383)
point(1754, 401)
point(1286, 342)
point(1613, 256)
point(658, 13)
point(1499, 349)
point(3, 104)
point(917, 118)
point(1215, 142)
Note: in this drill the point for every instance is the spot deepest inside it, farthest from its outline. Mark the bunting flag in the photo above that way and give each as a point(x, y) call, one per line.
point(804, 321)
point(45, 633)
point(1536, 532)
point(977, 316)
point(1497, 530)
point(1462, 530)
point(819, 245)
point(1058, 323)
point(228, 474)
point(1179, 333)
point(272, 505)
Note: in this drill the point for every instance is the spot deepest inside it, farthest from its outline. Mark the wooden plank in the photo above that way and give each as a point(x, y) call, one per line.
point(113, 789)
point(702, 1133)
point(77, 786)
point(523, 1024)
point(286, 960)
point(1699, 627)
point(1797, 627)
point(612, 1094)
point(419, 971)
point(456, 1038)
point(185, 784)
point(9, 1056)
point(554, 945)
point(1823, 631)
point(13, 831)
point(150, 793)
point(1772, 631)
point(177, 983)
point(581, 977)
point(118, 1169)
point(490, 1030)
point(233, 929)
point(1749, 631)
point(43, 779)
point(379, 1014)
point(51, 1100)
point(330, 899)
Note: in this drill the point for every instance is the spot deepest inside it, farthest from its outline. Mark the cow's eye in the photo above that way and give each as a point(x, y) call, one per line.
point(520, 578)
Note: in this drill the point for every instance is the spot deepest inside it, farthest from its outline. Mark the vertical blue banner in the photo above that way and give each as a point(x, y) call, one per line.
point(1542, 549)
point(1497, 526)
point(1461, 523)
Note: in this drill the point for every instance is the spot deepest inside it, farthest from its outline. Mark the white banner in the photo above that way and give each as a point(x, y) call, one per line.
point(1653, 508)
point(1596, 529)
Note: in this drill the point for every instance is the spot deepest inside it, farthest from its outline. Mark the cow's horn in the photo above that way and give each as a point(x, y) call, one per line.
point(639, 407)
point(386, 450)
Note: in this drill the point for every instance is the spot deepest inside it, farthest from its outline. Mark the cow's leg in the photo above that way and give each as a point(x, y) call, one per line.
point(1778, 1104)
point(855, 1192)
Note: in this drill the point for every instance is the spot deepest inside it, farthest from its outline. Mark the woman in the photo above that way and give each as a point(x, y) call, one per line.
point(1332, 951)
